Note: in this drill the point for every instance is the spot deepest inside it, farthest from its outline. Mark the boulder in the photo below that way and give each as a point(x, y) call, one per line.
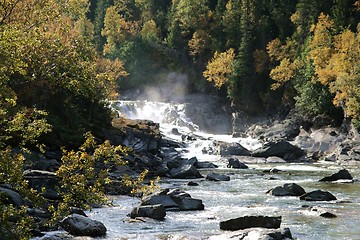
point(250, 222)
point(200, 165)
point(217, 177)
point(175, 200)
point(318, 195)
point(282, 149)
point(140, 135)
point(228, 149)
point(185, 172)
point(192, 184)
point(151, 211)
point(39, 179)
point(235, 163)
point(288, 189)
point(342, 174)
point(10, 196)
point(189, 204)
point(287, 129)
point(79, 225)
point(160, 197)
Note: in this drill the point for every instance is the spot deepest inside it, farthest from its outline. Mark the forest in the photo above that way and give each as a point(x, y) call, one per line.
point(61, 61)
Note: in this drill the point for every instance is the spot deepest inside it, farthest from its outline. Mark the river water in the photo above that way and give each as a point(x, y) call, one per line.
point(245, 194)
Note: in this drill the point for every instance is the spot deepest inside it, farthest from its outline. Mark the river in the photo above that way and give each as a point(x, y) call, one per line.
point(244, 194)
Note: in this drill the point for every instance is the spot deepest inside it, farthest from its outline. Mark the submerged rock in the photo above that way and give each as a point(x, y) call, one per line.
point(255, 234)
point(217, 177)
point(318, 195)
point(151, 211)
point(282, 149)
point(250, 222)
point(319, 212)
point(235, 163)
point(342, 174)
point(288, 189)
point(79, 225)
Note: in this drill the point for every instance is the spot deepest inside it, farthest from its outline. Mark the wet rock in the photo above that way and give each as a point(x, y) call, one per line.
point(189, 204)
point(288, 189)
point(185, 172)
point(165, 200)
point(318, 195)
point(151, 211)
point(79, 225)
point(174, 200)
point(10, 196)
point(282, 149)
point(217, 177)
point(250, 222)
point(235, 163)
point(272, 170)
point(342, 174)
point(58, 236)
point(192, 184)
point(255, 234)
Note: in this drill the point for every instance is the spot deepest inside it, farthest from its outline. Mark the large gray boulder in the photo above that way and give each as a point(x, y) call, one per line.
point(342, 174)
point(288, 189)
point(140, 135)
point(318, 195)
point(10, 196)
point(79, 225)
point(151, 211)
point(250, 222)
point(282, 149)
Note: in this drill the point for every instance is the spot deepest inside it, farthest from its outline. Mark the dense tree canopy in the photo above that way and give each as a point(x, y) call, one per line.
point(282, 45)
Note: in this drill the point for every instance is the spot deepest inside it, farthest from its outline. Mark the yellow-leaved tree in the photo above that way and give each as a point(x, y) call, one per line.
point(220, 67)
point(336, 60)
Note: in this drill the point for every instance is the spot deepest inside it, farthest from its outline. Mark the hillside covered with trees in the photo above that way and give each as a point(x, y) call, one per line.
point(260, 54)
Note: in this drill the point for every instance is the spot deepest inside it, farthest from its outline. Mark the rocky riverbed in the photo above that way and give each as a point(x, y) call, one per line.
point(271, 170)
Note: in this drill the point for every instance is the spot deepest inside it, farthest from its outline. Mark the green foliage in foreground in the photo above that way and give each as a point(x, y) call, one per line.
point(83, 176)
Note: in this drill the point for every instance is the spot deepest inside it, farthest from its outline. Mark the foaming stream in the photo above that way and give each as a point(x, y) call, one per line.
point(244, 194)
